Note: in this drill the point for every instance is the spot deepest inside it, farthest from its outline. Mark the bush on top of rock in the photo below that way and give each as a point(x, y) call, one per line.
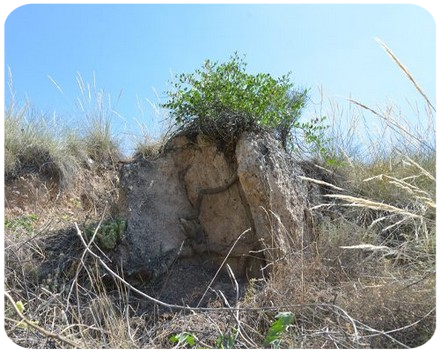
point(221, 101)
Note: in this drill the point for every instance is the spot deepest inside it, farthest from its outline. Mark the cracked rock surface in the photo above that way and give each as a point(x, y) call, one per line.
point(192, 203)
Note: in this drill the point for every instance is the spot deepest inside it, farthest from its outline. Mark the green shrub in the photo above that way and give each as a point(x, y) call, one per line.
point(222, 100)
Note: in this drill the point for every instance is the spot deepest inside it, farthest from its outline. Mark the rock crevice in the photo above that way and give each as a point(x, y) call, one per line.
point(193, 203)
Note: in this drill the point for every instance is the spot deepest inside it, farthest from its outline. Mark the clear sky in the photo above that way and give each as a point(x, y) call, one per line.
point(133, 50)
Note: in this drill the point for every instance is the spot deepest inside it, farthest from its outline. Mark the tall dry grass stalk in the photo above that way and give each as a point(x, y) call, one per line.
point(47, 145)
point(369, 284)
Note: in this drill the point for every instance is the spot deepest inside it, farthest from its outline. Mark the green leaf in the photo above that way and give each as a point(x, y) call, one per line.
point(184, 338)
point(278, 327)
point(20, 306)
point(225, 341)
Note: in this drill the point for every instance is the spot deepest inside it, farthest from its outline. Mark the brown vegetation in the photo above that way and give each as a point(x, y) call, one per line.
point(370, 282)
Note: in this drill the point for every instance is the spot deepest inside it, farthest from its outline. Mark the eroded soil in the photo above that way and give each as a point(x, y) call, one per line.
point(60, 261)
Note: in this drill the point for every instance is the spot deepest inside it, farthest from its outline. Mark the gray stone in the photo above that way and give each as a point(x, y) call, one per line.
point(193, 201)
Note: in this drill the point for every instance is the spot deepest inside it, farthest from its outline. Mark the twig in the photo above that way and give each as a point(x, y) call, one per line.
point(355, 322)
point(221, 266)
point(39, 328)
point(419, 280)
point(174, 306)
point(116, 276)
point(164, 304)
point(237, 314)
point(81, 262)
point(410, 325)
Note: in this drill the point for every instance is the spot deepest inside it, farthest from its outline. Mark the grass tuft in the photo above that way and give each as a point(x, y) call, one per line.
point(370, 283)
point(38, 145)
point(42, 145)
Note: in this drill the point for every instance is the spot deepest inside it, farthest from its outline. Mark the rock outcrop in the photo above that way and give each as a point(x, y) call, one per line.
point(194, 202)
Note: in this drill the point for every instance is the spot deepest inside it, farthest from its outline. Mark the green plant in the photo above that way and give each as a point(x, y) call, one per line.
point(222, 100)
point(184, 338)
point(315, 135)
point(27, 222)
point(22, 324)
point(108, 234)
point(224, 343)
point(278, 327)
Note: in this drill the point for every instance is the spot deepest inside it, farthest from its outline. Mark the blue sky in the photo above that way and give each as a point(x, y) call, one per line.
point(133, 50)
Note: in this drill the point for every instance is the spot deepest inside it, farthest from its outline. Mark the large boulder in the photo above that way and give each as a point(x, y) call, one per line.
point(194, 202)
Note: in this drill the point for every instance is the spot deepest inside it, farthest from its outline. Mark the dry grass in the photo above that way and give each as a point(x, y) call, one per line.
point(96, 109)
point(370, 283)
point(149, 149)
point(46, 146)
point(38, 145)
